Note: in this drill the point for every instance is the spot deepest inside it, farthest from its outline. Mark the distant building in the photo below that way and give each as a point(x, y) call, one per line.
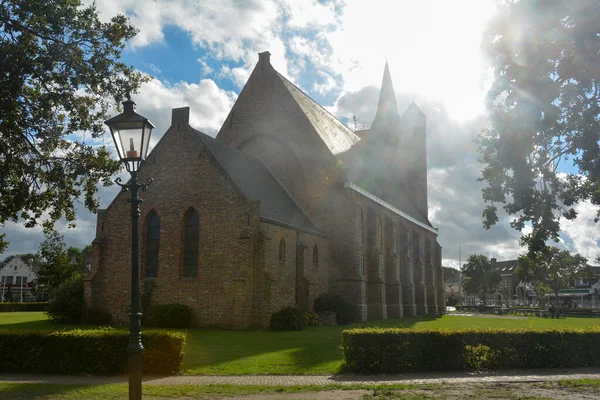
point(18, 278)
point(507, 289)
point(452, 287)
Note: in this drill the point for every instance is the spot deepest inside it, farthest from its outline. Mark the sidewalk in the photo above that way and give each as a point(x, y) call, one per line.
point(510, 376)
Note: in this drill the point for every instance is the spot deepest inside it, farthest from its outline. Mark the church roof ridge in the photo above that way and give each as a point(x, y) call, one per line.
point(336, 136)
point(257, 182)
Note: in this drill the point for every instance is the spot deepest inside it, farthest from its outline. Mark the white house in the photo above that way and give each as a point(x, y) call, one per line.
point(17, 276)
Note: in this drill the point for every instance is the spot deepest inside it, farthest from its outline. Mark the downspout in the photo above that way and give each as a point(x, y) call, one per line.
point(297, 289)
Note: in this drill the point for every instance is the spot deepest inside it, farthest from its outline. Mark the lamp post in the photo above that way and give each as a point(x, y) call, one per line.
point(131, 133)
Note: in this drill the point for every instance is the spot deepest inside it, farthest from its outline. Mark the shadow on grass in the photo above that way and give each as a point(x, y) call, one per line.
point(19, 391)
point(312, 351)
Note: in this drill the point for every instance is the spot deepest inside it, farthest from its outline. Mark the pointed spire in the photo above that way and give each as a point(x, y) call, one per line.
point(413, 108)
point(387, 108)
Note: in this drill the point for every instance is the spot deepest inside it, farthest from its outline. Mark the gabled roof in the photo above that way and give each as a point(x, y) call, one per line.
point(256, 182)
point(336, 136)
point(506, 267)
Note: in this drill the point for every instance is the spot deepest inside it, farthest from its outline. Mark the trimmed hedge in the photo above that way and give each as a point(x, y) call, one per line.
point(176, 316)
point(287, 319)
point(21, 307)
point(97, 351)
point(375, 350)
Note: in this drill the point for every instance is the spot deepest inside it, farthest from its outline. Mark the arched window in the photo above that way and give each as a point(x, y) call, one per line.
point(379, 234)
point(395, 240)
point(360, 233)
point(416, 243)
point(152, 243)
point(190, 245)
point(282, 252)
point(315, 257)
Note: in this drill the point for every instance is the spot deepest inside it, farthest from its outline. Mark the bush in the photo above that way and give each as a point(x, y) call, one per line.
point(97, 351)
point(20, 307)
point(97, 316)
point(312, 319)
point(177, 316)
point(376, 350)
point(345, 312)
point(288, 319)
point(66, 304)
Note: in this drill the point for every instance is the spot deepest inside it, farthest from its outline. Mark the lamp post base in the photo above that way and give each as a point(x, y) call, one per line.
point(135, 376)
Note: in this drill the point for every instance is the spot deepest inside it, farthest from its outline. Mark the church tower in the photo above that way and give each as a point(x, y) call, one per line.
point(387, 119)
point(415, 156)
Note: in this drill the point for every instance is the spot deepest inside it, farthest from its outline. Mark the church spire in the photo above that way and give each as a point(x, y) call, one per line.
point(387, 109)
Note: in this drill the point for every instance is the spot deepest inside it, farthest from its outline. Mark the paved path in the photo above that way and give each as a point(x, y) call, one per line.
point(540, 375)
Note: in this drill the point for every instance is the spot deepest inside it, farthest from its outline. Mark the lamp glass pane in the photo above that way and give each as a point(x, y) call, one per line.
point(146, 139)
point(128, 139)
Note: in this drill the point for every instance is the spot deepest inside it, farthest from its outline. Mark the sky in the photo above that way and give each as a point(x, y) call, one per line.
point(200, 54)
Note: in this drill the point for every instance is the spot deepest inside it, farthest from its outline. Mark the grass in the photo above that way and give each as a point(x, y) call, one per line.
point(313, 351)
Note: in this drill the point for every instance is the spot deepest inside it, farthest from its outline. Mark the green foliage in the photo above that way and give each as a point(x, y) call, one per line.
point(58, 263)
point(376, 350)
point(544, 105)
point(480, 277)
point(345, 312)
point(78, 352)
point(312, 319)
point(61, 76)
point(20, 307)
point(66, 304)
point(288, 319)
point(96, 316)
point(550, 269)
point(481, 357)
point(177, 316)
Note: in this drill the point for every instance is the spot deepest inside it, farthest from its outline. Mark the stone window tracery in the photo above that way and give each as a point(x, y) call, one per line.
point(315, 257)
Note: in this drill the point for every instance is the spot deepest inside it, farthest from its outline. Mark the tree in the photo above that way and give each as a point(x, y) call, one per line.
point(59, 263)
point(544, 105)
point(480, 277)
point(551, 268)
point(59, 77)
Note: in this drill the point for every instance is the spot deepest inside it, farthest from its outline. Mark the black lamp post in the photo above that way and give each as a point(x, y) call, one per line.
point(131, 133)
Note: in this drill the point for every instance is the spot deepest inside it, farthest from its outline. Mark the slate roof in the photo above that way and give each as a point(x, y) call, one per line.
point(256, 182)
point(506, 267)
point(336, 136)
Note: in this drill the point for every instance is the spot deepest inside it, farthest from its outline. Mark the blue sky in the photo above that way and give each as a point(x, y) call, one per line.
point(201, 53)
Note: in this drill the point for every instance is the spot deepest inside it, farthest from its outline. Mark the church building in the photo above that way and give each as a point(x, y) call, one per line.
point(286, 203)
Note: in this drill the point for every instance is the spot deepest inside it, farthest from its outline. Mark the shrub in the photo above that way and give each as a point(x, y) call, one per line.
point(66, 304)
point(19, 307)
point(97, 351)
point(97, 316)
point(375, 350)
point(312, 319)
point(177, 316)
point(288, 319)
point(345, 312)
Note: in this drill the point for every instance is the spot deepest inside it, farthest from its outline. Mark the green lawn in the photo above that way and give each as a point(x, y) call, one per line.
point(313, 351)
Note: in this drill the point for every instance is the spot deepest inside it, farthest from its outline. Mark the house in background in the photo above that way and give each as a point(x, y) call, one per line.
point(17, 277)
point(507, 289)
point(452, 287)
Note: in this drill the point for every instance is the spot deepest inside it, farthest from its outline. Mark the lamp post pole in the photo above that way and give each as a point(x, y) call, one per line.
point(135, 326)
point(131, 133)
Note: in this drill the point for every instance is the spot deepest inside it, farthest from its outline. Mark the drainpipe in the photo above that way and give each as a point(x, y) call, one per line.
point(297, 291)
